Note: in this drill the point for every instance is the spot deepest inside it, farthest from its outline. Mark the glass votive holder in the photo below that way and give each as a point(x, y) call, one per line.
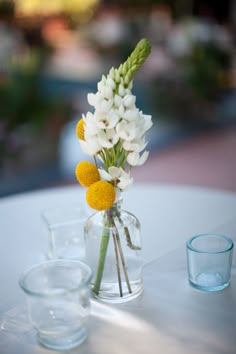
point(58, 300)
point(65, 232)
point(209, 258)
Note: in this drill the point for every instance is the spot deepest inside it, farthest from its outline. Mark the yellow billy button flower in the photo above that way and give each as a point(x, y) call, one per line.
point(87, 173)
point(80, 129)
point(101, 195)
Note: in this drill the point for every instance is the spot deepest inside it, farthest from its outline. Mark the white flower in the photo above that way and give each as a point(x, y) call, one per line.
point(105, 175)
point(135, 145)
point(135, 159)
point(143, 124)
point(126, 130)
point(121, 178)
point(107, 139)
point(102, 103)
point(131, 114)
point(106, 121)
point(105, 105)
point(147, 121)
point(91, 127)
point(125, 180)
point(91, 146)
point(94, 99)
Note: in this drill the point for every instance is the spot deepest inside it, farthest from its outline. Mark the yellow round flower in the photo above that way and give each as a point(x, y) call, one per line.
point(80, 129)
point(87, 173)
point(101, 195)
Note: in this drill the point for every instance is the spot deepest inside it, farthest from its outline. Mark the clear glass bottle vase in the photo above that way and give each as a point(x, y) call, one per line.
point(113, 251)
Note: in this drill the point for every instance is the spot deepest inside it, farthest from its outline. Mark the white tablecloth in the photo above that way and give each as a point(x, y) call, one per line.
point(170, 316)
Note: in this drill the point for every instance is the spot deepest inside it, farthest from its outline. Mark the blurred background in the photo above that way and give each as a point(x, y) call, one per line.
point(52, 53)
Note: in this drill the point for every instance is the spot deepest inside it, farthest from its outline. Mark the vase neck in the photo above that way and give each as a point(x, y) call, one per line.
point(118, 204)
point(115, 209)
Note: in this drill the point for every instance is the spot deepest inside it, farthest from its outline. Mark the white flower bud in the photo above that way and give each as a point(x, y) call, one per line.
point(130, 85)
point(117, 101)
point(129, 100)
point(100, 86)
point(121, 111)
point(110, 82)
point(121, 90)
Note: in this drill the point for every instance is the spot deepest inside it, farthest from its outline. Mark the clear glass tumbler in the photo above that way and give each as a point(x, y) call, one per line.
point(65, 232)
point(58, 302)
point(209, 258)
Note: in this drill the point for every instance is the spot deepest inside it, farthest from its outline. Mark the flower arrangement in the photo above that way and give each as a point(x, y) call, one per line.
point(114, 134)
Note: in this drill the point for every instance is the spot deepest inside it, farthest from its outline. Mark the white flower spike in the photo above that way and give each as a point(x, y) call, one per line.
point(115, 131)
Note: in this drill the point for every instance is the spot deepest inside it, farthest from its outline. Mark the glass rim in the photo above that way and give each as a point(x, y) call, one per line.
point(104, 227)
point(194, 249)
point(61, 224)
point(45, 216)
point(58, 292)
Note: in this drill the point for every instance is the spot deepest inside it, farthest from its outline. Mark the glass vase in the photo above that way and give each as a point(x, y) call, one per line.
point(113, 251)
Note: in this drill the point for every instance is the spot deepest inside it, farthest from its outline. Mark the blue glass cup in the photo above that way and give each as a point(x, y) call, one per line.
point(209, 258)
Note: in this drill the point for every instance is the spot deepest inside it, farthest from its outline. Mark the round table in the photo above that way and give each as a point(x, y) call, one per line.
point(170, 316)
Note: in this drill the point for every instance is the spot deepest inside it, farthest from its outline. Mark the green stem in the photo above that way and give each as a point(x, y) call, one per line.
point(117, 264)
point(123, 263)
point(95, 160)
point(101, 260)
point(121, 256)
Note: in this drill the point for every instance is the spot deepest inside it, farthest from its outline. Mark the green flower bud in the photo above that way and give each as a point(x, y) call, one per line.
point(112, 73)
point(128, 69)
point(134, 61)
point(117, 77)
